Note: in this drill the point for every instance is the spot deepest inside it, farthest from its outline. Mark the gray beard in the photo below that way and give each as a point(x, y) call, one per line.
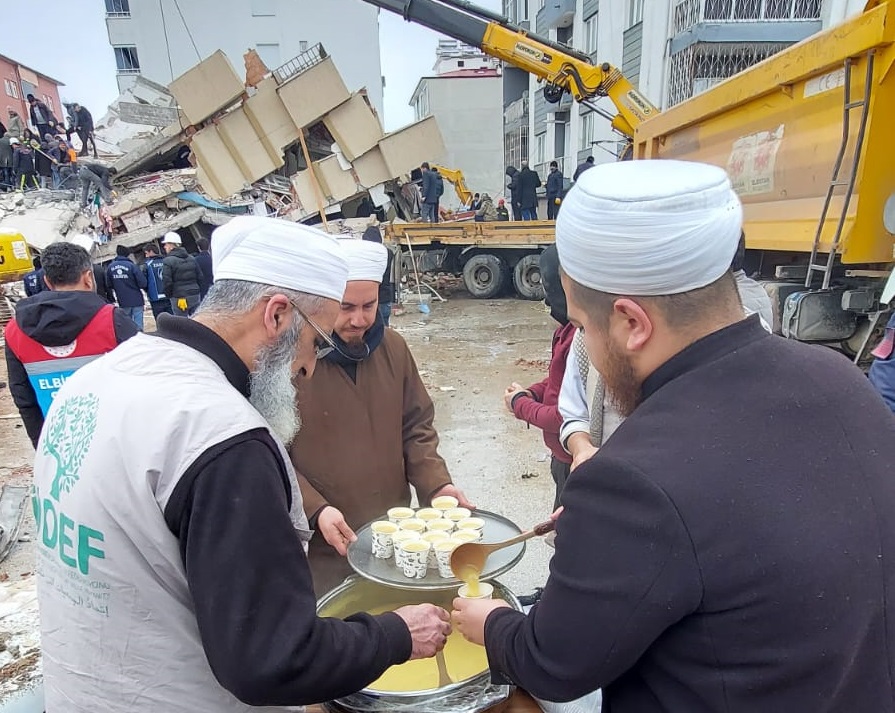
point(272, 390)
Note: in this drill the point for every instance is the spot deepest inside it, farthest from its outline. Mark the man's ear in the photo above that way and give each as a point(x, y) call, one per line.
point(634, 321)
point(277, 312)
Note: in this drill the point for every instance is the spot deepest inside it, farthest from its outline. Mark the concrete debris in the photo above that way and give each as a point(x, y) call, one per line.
point(12, 512)
point(20, 665)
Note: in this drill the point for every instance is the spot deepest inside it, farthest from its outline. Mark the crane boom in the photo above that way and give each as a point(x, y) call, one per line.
point(562, 68)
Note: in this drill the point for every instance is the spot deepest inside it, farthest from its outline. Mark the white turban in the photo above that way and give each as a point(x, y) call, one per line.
point(366, 260)
point(279, 253)
point(649, 227)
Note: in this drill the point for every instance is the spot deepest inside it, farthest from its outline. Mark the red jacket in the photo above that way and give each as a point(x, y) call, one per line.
point(542, 409)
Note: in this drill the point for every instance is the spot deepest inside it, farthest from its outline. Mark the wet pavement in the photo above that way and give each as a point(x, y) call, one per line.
point(468, 351)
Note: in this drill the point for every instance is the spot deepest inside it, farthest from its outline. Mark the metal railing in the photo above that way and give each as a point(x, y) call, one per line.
point(118, 14)
point(129, 71)
point(307, 59)
point(693, 12)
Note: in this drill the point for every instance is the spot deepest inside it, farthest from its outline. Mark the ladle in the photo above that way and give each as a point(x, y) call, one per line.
point(444, 678)
point(471, 557)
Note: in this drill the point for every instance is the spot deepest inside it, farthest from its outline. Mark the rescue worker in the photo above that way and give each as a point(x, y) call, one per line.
point(57, 331)
point(181, 276)
point(34, 280)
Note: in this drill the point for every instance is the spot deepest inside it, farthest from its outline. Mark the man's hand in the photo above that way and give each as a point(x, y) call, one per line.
point(429, 628)
point(335, 530)
point(454, 491)
point(469, 617)
point(581, 448)
point(511, 392)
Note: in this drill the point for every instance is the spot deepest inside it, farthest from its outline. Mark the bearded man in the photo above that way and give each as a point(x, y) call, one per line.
point(729, 547)
point(173, 574)
point(369, 435)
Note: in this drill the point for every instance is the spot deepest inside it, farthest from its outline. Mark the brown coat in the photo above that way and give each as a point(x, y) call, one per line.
point(362, 446)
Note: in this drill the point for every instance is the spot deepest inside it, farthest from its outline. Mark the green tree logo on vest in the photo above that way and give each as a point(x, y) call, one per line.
point(68, 435)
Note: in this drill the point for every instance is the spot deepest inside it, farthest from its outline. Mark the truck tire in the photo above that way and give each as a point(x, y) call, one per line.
point(527, 278)
point(484, 276)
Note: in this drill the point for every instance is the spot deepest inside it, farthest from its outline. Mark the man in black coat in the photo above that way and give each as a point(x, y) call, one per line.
point(554, 190)
point(429, 194)
point(529, 182)
point(42, 117)
point(206, 266)
point(513, 189)
point(729, 546)
point(83, 127)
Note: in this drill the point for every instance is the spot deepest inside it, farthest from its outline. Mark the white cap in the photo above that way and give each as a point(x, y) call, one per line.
point(13, 140)
point(649, 227)
point(172, 239)
point(366, 260)
point(270, 251)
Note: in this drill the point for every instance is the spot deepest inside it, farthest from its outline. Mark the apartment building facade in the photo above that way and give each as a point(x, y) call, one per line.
point(162, 39)
point(18, 82)
point(670, 49)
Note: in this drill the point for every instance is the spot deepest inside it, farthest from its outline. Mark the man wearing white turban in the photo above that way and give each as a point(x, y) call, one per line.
point(369, 432)
point(173, 572)
point(730, 546)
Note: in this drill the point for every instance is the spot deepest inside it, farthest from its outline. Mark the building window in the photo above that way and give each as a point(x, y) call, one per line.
point(522, 10)
point(270, 54)
point(303, 46)
point(635, 12)
point(540, 148)
point(590, 34)
point(11, 89)
point(118, 8)
point(542, 4)
point(126, 60)
point(264, 8)
point(587, 131)
point(422, 104)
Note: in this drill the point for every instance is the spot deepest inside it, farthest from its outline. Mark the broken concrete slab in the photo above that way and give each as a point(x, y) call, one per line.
point(220, 174)
point(404, 150)
point(337, 183)
point(207, 88)
point(371, 169)
point(42, 224)
point(268, 115)
point(245, 145)
point(12, 512)
point(183, 219)
point(354, 126)
point(310, 95)
point(152, 189)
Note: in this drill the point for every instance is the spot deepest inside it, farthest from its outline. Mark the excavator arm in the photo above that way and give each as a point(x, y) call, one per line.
point(562, 68)
point(456, 179)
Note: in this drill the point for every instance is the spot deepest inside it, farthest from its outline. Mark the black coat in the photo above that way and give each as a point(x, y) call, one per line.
point(529, 182)
point(429, 187)
point(182, 275)
point(206, 266)
point(49, 117)
point(731, 548)
point(554, 184)
point(83, 120)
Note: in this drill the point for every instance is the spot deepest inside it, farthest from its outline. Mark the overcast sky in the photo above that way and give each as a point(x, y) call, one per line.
point(86, 65)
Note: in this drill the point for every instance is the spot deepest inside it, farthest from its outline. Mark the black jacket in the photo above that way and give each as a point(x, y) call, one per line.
point(42, 161)
point(429, 187)
point(182, 275)
point(554, 184)
point(513, 186)
point(49, 117)
point(83, 120)
point(102, 289)
point(586, 166)
point(6, 152)
point(55, 319)
point(529, 182)
point(127, 281)
point(203, 259)
point(730, 549)
point(23, 162)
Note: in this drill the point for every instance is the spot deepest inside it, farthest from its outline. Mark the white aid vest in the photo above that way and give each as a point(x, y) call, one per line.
point(118, 627)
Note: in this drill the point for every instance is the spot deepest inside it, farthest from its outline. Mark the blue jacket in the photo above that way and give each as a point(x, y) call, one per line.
point(34, 283)
point(127, 281)
point(155, 284)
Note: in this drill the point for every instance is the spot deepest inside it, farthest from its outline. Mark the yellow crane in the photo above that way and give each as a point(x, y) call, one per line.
point(455, 177)
point(562, 68)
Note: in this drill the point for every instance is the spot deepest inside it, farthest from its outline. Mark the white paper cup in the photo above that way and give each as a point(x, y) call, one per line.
point(397, 514)
point(467, 535)
point(443, 552)
point(457, 514)
point(429, 514)
point(415, 558)
point(433, 538)
point(413, 524)
point(445, 502)
point(471, 523)
point(442, 525)
point(486, 591)
point(398, 538)
point(383, 545)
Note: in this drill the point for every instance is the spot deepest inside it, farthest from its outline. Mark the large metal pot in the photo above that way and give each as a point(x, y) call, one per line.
point(474, 695)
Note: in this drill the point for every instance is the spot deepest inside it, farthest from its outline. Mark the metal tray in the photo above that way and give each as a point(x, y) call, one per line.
point(497, 529)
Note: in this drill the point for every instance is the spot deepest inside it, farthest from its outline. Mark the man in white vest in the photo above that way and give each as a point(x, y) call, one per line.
point(173, 573)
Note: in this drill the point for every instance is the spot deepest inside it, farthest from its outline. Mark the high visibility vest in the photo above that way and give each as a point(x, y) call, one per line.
point(49, 367)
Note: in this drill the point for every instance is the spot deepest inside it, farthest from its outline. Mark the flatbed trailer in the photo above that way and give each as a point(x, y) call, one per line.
point(490, 256)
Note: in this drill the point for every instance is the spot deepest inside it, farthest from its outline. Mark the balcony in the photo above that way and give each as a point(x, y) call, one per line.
point(557, 13)
point(752, 21)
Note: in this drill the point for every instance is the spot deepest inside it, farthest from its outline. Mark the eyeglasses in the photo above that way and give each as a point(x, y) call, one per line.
point(321, 352)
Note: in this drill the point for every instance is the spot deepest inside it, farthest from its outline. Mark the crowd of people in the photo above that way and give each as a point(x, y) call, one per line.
point(40, 154)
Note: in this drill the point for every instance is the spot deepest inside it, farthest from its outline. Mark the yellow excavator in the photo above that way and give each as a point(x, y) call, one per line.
point(455, 177)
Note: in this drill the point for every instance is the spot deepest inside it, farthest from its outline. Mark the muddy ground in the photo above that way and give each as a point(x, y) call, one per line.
point(467, 351)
